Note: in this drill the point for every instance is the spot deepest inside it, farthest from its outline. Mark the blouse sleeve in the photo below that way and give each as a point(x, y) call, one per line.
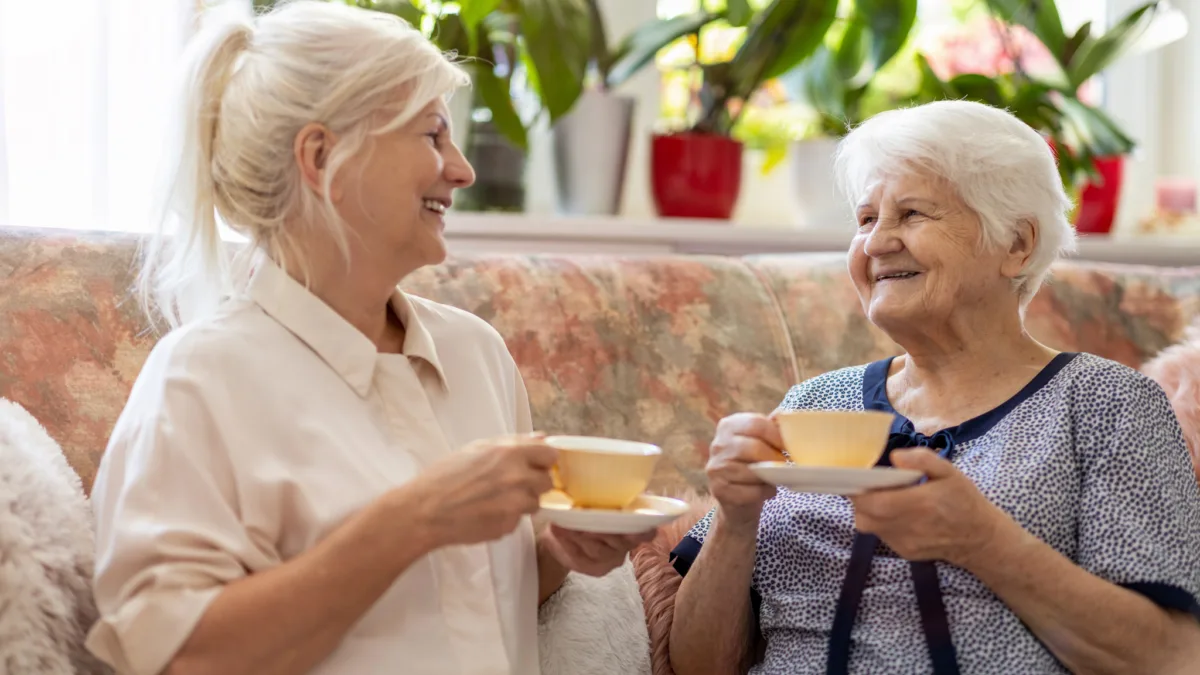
point(524, 417)
point(168, 535)
point(688, 549)
point(1139, 519)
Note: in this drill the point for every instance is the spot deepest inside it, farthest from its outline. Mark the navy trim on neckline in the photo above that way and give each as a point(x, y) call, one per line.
point(875, 398)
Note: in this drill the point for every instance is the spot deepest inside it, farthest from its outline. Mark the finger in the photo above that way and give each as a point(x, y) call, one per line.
point(762, 429)
point(738, 474)
point(747, 494)
point(632, 541)
point(540, 482)
point(537, 454)
point(612, 543)
point(923, 460)
point(579, 544)
point(748, 450)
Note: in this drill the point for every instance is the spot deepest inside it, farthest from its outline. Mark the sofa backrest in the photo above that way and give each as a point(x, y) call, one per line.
point(645, 348)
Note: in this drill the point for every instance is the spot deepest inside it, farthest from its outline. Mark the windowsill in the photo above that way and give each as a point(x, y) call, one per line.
point(486, 232)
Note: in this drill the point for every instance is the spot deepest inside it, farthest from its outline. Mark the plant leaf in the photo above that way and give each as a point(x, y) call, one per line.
point(1075, 42)
point(402, 8)
point(851, 52)
point(496, 94)
point(806, 22)
point(889, 24)
point(1041, 17)
point(819, 83)
point(738, 12)
point(450, 35)
point(473, 12)
point(932, 88)
point(779, 38)
point(1098, 134)
point(558, 38)
point(978, 88)
point(642, 45)
point(1094, 56)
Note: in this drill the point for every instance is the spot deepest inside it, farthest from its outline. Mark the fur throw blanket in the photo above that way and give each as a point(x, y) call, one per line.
point(46, 554)
point(1177, 371)
point(594, 626)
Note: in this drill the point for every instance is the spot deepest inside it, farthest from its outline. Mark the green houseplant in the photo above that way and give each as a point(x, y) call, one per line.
point(591, 142)
point(839, 85)
point(1090, 146)
point(511, 48)
point(696, 172)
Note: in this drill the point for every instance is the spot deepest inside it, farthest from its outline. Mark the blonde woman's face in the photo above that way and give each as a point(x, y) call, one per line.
point(397, 190)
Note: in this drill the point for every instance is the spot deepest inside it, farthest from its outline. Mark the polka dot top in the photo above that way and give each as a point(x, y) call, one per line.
point(1089, 457)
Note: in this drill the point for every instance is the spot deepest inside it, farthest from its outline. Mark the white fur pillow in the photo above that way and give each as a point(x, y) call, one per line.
point(46, 554)
point(595, 626)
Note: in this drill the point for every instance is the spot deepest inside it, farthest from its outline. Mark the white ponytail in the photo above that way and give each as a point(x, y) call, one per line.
point(250, 86)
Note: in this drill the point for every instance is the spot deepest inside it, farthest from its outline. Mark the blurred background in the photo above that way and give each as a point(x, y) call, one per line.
point(694, 112)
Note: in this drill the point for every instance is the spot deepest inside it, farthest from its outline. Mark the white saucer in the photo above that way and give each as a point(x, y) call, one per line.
point(643, 515)
point(833, 480)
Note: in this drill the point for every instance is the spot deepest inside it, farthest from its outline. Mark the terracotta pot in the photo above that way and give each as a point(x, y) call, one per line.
point(695, 175)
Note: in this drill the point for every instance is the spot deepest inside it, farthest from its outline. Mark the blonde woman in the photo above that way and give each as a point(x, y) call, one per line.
point(315, 472)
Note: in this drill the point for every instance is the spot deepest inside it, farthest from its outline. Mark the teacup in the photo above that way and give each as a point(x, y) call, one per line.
point(602, 473)
point(834, 438)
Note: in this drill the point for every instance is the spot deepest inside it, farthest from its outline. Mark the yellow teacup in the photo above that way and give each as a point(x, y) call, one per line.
point(836, 438)
point(602, 473)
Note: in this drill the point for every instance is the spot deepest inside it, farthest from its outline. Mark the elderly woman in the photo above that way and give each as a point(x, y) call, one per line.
point(317, 472)
point(1058, 528)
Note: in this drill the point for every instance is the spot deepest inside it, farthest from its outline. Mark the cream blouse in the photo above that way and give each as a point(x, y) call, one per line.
point(250, 436)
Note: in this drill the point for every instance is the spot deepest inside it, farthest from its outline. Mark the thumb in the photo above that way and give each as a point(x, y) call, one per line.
point(923, 460)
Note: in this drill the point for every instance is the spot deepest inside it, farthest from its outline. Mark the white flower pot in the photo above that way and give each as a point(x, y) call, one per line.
point(816, 202)
point(591, 154)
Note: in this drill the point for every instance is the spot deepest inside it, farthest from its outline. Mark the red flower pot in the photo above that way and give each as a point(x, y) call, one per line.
point(1096, 210)
point(1098, 201)
point(695, 175)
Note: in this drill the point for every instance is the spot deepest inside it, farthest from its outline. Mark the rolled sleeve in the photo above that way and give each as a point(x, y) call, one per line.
point(168, 535)
point(1139, 523)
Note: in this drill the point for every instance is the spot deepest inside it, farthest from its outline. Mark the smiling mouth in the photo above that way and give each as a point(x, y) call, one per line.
point(435, 206)
point(896, 276)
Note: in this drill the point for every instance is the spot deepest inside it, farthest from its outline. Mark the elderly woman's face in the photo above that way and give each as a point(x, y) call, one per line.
point(917, 256)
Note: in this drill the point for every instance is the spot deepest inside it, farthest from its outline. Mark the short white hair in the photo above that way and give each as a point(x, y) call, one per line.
point(1002, 169)
point(250, 85)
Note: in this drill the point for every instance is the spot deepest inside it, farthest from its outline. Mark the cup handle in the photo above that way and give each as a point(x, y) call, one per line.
point(555, 478)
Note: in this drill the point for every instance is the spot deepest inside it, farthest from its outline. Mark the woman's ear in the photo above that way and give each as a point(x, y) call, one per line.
point(311, 151)
point(1021, 250)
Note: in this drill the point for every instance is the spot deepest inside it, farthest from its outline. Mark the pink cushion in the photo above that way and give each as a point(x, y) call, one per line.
point(658, 581)
point(1177, 370)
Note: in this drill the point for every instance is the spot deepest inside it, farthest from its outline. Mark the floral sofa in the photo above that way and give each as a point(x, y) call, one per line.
point(651, 349)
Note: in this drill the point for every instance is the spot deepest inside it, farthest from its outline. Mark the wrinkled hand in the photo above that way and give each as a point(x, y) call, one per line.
point(946, 518)
point(591, 554)
point(740, 441)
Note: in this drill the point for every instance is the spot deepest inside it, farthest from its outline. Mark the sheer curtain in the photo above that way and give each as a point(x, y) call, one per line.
point(82, 88)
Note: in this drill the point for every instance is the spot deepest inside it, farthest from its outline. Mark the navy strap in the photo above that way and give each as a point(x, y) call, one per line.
point(934, 622)
point(861, 554)
point(933, 618)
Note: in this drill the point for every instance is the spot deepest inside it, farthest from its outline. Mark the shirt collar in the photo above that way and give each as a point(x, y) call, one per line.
point(418, 342)
point(338, 343)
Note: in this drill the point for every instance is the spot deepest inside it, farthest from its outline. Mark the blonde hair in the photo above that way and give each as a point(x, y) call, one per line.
point(250, 85)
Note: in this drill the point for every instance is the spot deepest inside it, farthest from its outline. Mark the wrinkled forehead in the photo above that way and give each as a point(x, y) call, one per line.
point(906, 181)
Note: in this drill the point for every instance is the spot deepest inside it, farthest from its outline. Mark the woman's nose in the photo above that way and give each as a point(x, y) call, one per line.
point(881, 241)
point(458, 170)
